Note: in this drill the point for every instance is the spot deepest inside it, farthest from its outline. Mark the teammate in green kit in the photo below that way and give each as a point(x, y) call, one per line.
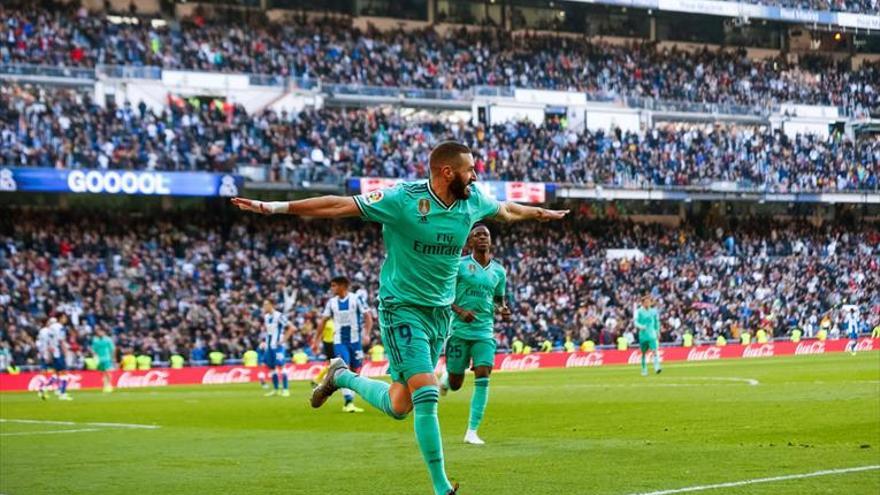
point(102, 346)
point(479, 291)
point(647, 322)
point(424, 225)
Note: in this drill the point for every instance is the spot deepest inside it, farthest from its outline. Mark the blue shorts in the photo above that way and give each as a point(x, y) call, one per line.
point(274, 357)
point(853, 335)
point(352, 354)
point(58, 364)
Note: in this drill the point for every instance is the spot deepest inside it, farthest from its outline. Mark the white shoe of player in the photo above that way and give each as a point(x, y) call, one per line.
point(443, 378)
point(472, 438)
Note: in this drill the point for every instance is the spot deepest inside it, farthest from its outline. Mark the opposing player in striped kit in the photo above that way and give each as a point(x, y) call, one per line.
point(277, 332)
point(351, 321)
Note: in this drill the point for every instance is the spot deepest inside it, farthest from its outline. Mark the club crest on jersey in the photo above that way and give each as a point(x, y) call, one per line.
point(472, 267)
point(374, 197)
point(424, 209)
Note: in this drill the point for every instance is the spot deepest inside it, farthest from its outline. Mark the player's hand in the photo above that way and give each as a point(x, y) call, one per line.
point(545, 215)
point(505, 313)
point(251, 205)
point(467, 316)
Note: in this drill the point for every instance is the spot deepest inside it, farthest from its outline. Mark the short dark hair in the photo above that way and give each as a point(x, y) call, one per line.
point(446, 152)
point(480, 224)
point(340, 280)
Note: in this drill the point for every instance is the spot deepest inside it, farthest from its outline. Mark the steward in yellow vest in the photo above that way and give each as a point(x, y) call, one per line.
point(517, 346)
point(250, 359)
point(129, 362)
point(377, 353)
point(215, 358)
point(144, 362)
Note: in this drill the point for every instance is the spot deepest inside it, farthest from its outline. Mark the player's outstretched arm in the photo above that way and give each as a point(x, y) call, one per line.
point(321, 207)
point(515, 212)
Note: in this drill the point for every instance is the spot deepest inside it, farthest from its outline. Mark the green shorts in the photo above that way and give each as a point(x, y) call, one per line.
point(461, 352)
point(413, 337)
point(644, 345)
point(105, 365)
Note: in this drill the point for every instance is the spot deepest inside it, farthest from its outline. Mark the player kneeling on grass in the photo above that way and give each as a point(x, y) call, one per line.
point(479, 292)
point(647, 322)
point(277, 333)
point(351, 321)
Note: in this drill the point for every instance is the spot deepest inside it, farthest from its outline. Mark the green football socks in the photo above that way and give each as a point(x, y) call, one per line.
point(427, 428)
point(478, 402)
point(375, 392)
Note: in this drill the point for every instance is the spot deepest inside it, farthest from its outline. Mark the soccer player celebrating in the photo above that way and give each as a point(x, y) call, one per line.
point(425, 226)
point(103, 348)
point(647, 322)
point(351, 320)
point(277, 333)
point(479, 291)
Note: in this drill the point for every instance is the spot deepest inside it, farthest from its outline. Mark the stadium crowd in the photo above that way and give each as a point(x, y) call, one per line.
point(63, 128)
point(192, 284)
point(335, 52)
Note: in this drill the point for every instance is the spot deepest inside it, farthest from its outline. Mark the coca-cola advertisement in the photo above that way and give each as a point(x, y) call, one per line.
point(513, 362)
point(134, 379)
point(503, 362)
point(758, 350)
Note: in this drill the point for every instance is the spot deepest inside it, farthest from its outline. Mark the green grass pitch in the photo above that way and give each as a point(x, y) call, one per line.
point(597, 431)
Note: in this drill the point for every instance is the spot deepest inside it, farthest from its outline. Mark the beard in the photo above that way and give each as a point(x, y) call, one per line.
point(459, 188)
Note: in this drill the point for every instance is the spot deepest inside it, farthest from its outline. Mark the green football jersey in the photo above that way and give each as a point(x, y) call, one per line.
point(423, 240)
point(476, 289)
point(103, 347)
point(649, 320)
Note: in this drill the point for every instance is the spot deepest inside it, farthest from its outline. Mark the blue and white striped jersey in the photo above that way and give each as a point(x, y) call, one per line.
point(274, 325)
point(851, 324)
point(348, 318)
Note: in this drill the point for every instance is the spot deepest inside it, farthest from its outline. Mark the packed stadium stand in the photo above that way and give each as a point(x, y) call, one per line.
point(175, 284)
point(66, 129)
point(335, 51)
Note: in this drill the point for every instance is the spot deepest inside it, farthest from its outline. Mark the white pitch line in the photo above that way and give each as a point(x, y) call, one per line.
point(125, 425)
point(774, 479)
point(47, 432)
point(652, 384)
point(71, 423)
point(750, 381)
